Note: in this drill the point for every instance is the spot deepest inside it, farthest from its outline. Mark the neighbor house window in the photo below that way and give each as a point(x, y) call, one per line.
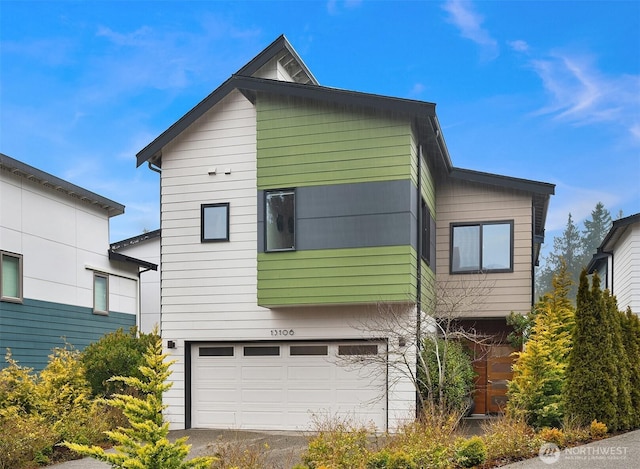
point(100, 293)
point(214, 223)
point(482, 247)
point(280, 220)
point(10, 277)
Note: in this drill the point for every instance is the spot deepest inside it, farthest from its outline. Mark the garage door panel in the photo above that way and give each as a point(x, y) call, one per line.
point(281, 386)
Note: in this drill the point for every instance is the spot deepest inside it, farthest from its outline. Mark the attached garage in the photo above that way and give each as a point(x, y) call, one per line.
point(280, 386)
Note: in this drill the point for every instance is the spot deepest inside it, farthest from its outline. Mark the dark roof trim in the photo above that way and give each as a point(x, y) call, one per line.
point(60, 185)
point(260, 60)
point(618, 227)
point(598, 259)
point(250, 85)
point(116, 256)
point(135, 240)
point(526, 185)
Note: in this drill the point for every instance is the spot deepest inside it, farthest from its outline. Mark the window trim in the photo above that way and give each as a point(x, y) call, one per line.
point(20, 297)
point(480, 225)
point(292, 192)
point(203, 208)
point(105, 276)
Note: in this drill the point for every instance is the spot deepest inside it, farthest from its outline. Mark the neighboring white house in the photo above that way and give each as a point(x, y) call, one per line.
point(145, 246)
point(617, 262)
point(299, 222)
point(59, 281)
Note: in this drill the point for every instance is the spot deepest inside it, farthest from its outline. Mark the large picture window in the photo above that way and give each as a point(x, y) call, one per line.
point(214, 223)
point(280, 220)
point(482, 247)
point(10, 277)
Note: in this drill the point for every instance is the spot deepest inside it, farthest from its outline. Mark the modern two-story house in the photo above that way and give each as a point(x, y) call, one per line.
point(295, 217)
point(617, 262)
point(59, 281)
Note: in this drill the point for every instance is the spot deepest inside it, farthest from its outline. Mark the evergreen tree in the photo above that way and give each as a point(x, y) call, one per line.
point(145, 444)
point(631, 342)
point(594, 231)
point(614, 318)
point(590, 390)
point(569, 249)
point(539, 372)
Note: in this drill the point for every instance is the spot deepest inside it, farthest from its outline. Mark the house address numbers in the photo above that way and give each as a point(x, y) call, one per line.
point(282, 332)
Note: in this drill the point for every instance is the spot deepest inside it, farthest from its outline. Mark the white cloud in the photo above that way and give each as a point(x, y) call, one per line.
point(417, 90)
point(581, 94)
point(519, 45)
point(469, 23)
point(333, 8)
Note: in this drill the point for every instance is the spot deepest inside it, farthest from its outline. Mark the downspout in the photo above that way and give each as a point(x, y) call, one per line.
point(419, 275)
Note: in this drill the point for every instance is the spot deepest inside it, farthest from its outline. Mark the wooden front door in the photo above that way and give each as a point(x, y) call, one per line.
point(499, 371)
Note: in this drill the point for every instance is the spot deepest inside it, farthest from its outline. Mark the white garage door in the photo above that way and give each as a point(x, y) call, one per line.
point(279, 386)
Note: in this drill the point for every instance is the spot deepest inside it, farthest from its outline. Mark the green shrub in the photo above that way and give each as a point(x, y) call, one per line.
point(451, 389)
point(24, 439)
point(509, 439)
point(115, 354)
point(17, 386)
point(338, 443)
point(471, 452)
point(145, 443)
point(598, 429)
point(387, 459)
point(553, 435)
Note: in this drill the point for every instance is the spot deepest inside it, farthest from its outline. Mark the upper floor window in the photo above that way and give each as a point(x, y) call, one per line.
point(214, 223)
point(10, 277)
point(482, 247)
point(280, 220)
point(100, 293)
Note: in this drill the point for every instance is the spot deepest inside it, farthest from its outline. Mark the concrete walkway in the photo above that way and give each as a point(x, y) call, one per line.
point(284, 449)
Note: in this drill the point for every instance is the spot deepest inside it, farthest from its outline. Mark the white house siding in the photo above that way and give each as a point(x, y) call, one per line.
point(626, 269)
point(62, 241)
point(499, 293)
point(147, 250)
point(209, 290)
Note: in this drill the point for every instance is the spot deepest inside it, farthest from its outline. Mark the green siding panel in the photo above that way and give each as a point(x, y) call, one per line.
point(303, 143)
point(337, 276)
point(32, 329)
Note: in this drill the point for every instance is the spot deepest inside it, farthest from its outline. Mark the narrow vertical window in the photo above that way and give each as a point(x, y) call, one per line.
point(10, 277)
point(214, 223)
point(425, 233)
point(280, 226)
point(100, 293)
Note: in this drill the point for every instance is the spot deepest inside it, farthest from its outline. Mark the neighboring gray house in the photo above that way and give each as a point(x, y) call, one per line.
point(59, 280)
point(617, 262)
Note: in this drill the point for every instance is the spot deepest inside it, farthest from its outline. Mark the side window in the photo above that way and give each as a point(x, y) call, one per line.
point(214, 222)
point(10, 277)
point(100, 293)
point(428, 234)
point(280, 220)
point(482, 247)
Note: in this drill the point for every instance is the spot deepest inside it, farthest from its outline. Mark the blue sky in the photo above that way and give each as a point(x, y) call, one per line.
point(548, 91)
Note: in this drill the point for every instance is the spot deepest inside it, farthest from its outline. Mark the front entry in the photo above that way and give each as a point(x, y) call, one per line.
point(492, 365)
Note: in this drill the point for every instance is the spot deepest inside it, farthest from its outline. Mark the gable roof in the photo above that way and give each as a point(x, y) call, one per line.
point(56, 184)
point(618, 228)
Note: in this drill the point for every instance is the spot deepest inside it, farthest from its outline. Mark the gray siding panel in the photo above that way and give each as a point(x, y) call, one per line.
point(32, 329)
point(351, 215)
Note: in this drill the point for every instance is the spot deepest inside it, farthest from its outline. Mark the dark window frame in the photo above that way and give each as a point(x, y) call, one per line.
point(20, 279)
point(426, 220)
point(267, 193)
point(203, 208)
point(480, 226)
